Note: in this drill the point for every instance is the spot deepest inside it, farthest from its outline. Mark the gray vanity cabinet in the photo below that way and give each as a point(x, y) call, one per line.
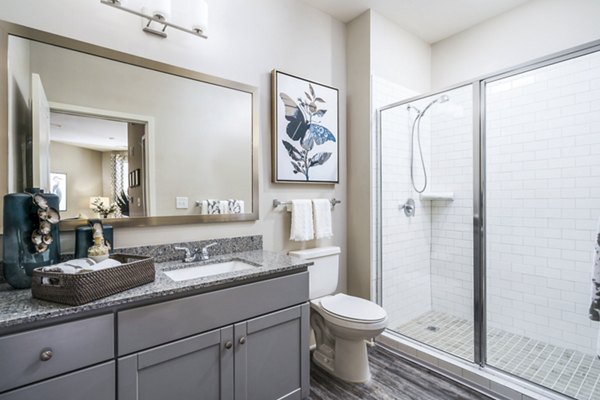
point(271, 357)
point(264, 358)
point(197, 367)
point(69, 361)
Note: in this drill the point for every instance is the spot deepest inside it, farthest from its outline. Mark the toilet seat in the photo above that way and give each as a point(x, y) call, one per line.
point(353, 309)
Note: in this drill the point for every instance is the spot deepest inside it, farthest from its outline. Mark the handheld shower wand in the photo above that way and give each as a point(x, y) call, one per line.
point(417, 124)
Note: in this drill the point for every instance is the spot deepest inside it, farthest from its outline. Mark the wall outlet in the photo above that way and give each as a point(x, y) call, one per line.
point(181, 202)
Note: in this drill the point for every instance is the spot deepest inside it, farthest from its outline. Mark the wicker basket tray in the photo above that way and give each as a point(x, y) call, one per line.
point(77, 289)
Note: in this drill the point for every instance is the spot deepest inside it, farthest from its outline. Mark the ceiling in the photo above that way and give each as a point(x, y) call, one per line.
point(88, 132)
point(430, 20)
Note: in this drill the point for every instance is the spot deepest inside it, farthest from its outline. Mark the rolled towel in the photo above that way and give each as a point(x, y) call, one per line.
point(81, 265)
point(302, 221)
point(75, 266)
point(108, 263)
point(322, 215)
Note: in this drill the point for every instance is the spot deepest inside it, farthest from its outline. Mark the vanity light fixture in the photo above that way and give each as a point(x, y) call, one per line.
point(157, 15)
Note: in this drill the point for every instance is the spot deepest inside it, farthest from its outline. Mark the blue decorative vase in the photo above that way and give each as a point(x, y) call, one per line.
point(20, 254)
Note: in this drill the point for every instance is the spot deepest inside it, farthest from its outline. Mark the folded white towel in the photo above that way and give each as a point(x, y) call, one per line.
point(204, 207)
point(223, 207)
point(322, 215)
point(235, 206)
point(302, 221)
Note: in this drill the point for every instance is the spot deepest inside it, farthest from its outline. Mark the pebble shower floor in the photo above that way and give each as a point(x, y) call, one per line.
point(569, 372)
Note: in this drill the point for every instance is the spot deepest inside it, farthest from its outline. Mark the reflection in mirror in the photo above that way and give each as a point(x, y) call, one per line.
point(153, 143)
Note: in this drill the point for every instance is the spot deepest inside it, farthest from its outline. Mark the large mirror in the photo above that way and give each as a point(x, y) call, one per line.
point(117, 136)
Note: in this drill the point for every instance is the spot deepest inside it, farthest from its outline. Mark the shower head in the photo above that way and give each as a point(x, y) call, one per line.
point(442, 99)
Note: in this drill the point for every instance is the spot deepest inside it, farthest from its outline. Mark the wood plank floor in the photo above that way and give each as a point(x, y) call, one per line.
point(393, 378)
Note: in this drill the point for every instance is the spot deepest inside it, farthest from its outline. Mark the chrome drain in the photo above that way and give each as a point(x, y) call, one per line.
point(432, 328)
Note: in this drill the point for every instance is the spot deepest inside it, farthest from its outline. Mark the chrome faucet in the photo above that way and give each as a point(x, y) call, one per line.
point(194, 255)
point(204, 251)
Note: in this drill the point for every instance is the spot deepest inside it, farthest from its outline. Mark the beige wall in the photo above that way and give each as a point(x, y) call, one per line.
point(247, 40)
point(359, 103)
point(376, 47)
point(84, 176)
point(535, 29)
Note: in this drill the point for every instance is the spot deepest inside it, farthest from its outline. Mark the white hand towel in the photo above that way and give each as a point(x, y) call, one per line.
point(322, 215)
point(223, 207)
point(204, 207)
point(235, 206)
point(302, 221)
point(213, 206)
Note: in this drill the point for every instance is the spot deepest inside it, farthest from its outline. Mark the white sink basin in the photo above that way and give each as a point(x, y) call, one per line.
point(203, 270)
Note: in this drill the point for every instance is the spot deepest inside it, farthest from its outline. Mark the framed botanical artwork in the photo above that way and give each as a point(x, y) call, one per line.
point(58, 186)
point(305, 130)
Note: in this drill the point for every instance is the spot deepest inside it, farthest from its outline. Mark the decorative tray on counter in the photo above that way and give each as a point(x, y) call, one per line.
point(77, 289)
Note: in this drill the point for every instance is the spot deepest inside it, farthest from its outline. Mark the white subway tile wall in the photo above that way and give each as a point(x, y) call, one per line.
point(543, 201)
point(452, 222)
point(406, 242)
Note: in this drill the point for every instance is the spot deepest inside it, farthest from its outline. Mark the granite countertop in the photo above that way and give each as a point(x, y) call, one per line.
point(17, 307)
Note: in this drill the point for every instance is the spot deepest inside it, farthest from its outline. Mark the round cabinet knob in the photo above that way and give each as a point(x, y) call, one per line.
point(45, 355)
point(228, 345)
point(243, 340)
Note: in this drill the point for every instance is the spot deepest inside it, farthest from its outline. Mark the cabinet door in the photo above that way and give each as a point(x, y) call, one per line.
point(95, 383)
point(272, 356)
point(199, 367)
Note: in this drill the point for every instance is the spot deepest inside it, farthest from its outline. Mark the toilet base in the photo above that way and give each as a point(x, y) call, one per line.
point(348, 362)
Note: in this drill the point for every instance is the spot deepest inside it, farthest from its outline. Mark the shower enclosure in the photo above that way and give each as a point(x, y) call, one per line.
point(488, 201)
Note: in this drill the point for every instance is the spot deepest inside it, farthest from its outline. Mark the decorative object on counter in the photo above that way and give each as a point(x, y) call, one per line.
point(58, 182)
point(157, 16)
point(99, 250)
point(84, 238)
point(102, 206)
point(305, 130)
point(31, 235)
point(82, 287)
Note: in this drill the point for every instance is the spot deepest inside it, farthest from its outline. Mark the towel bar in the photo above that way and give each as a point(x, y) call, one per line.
point(277, 203)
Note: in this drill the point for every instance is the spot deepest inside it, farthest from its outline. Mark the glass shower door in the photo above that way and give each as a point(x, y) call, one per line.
point(542, 209)
point(426, 206)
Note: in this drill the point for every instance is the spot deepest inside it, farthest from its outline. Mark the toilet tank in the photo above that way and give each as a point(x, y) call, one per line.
point(323, 276)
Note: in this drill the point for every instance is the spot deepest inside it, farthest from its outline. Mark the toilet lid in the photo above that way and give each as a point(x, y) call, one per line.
point(353, 308)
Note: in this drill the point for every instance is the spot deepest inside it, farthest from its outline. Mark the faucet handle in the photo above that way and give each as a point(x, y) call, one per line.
point(188, 253)
point(205, 250)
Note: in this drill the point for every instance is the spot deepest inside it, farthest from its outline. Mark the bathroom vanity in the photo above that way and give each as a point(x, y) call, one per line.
point(240, 335)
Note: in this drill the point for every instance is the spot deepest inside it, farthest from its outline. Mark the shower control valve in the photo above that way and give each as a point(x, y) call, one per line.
point(409, 208)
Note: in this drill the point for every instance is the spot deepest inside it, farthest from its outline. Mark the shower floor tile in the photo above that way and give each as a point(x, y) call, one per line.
point(570, 372)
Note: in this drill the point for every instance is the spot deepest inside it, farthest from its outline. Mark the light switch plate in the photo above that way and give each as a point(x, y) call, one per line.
point(181, 202)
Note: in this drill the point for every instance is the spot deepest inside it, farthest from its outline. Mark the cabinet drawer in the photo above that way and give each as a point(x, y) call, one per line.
point(148, 326)
point(95, 383)
point(42, 353)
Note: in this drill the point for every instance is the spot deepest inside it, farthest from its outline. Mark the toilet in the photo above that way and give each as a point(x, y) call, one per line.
point(341, 323)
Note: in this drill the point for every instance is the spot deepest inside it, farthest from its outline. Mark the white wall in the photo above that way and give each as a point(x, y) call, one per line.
point(398, 56)
point(247, 40)
point(452, 222)
point(535, 29)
